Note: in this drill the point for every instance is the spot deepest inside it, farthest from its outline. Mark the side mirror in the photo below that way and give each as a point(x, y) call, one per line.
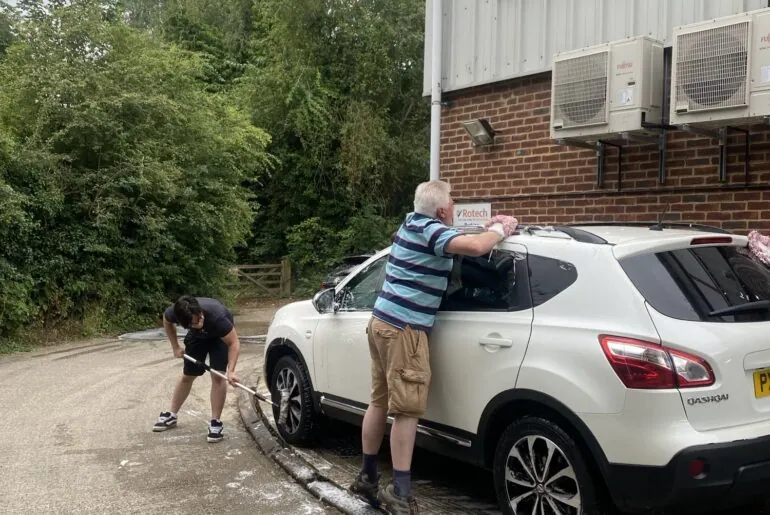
point(323, 301)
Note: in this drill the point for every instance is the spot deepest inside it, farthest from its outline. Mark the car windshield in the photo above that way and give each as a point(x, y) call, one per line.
point(706, 284)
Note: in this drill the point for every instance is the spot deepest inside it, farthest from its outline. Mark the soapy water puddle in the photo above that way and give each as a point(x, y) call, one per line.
point(441, 485)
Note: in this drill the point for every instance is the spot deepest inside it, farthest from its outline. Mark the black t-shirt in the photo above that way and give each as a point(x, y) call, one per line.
point(217, 319)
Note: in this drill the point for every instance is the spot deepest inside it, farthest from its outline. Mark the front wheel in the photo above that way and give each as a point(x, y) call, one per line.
point(538, 469)
point(288, 373)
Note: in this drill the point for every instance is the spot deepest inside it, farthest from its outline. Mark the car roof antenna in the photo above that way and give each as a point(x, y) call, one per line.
point(659, 225)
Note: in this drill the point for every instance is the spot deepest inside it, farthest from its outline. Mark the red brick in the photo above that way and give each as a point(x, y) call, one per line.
point(560, 181)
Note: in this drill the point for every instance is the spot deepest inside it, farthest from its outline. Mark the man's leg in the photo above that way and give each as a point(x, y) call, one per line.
point(218, 396)
point(218, 361)
point(409, 377)
point(402, 437)
point(190, 372)
point(375, 419)
point(181, 392)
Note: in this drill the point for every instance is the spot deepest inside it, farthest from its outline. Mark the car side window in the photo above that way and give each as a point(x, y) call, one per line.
point(549, 277)
point(496, 282)
point(361, 292)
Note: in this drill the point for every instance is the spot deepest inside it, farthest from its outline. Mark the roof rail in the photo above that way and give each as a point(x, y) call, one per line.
point(655, 225)
point(581, 235)
point(573, 232)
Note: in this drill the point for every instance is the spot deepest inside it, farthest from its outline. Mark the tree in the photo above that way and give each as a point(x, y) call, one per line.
point(130, 180)
point(338, 85)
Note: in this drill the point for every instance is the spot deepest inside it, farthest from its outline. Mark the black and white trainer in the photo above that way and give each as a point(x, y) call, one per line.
point(165, 421)
point(215, 431)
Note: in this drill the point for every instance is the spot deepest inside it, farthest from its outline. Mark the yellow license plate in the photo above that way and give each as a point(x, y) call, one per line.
point(762, 383)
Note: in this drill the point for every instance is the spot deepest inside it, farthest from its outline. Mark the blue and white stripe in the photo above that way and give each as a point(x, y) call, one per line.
point(417, 273)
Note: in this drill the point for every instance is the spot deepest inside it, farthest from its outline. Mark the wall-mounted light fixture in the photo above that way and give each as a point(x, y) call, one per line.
point(480, 131)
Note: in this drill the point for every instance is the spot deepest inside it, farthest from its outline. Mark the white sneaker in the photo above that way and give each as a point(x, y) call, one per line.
point(215, 431)
point(165, 421)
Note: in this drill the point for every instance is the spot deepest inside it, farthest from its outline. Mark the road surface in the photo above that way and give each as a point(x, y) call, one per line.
point(77, 438)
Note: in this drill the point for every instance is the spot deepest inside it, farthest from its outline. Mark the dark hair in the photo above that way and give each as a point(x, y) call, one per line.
point(185, 308)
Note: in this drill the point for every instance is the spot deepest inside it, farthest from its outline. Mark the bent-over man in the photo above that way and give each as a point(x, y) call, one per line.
point(210, 332)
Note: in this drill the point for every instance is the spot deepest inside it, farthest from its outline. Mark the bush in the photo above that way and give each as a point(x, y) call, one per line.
point(125, 182)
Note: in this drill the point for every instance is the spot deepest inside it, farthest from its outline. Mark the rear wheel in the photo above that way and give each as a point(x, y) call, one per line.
point(538, 469)
point(300, 422)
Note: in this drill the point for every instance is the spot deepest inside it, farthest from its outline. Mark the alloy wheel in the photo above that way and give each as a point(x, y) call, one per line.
point(540, 480)
point(287, 379)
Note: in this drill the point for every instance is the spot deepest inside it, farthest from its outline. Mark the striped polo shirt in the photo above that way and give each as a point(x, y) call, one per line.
point(416, 274)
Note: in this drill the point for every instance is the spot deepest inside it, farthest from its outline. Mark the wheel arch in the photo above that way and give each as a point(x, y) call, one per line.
point(511, 405)
point(277, 349)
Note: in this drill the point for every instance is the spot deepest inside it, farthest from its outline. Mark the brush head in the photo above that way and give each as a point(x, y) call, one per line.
point(283, 411)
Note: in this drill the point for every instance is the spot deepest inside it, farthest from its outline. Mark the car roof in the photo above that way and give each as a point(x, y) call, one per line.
point(620, 234)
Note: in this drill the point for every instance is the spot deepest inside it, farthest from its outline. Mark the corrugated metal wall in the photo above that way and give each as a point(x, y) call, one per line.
point(490, 40)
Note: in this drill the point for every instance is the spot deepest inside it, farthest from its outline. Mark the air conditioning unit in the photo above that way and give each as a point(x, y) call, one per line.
point(721, 71)
point(604, 90)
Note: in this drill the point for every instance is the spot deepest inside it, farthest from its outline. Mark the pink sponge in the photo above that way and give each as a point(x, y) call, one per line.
point(759, 246)
point(509, 223)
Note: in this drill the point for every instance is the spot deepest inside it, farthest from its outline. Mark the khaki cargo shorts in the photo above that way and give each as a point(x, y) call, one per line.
point(400, 368)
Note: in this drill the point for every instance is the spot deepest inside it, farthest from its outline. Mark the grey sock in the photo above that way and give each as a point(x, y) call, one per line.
point(370, 466)
point(402, 481)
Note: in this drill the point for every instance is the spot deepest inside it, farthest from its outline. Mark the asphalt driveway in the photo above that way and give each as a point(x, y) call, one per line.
point(77, 423)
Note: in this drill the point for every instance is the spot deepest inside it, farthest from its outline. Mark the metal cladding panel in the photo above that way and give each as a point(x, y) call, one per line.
point(487, 41)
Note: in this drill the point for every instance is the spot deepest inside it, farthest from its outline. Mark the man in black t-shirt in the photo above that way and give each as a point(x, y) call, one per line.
point(210, 332)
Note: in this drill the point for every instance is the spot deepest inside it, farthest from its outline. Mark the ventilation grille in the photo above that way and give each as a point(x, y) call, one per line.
point(580, 90)
point(711, 68)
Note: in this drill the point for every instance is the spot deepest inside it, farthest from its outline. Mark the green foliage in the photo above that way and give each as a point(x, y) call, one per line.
point(339, 86)
point(126, 181)
point(146, 145)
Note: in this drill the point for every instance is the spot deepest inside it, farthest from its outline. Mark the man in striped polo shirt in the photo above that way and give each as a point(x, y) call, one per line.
point(417, 274)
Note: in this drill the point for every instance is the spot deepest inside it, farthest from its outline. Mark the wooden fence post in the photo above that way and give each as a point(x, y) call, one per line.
point(286, 282)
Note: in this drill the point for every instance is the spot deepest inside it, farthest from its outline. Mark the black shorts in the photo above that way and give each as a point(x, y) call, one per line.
point(199, 348)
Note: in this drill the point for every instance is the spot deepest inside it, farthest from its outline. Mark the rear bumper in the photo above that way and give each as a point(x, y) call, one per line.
point(737, 473)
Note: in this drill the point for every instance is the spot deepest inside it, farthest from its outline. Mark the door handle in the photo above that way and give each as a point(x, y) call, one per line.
point(495, 342)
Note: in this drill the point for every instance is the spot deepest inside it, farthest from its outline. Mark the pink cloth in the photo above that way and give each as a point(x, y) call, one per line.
point(759, 245)
point(509, 223)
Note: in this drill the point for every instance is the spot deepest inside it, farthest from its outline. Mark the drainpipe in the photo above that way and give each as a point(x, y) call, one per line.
point(435, 103)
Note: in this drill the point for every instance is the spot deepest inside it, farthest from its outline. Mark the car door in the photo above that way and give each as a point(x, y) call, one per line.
point(341, 337)
point(480, 336)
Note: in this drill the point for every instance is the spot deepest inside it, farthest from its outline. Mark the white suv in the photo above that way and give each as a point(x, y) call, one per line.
point(628, 363)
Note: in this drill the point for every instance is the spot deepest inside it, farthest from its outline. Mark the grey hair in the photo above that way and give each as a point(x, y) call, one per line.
point(430, 196)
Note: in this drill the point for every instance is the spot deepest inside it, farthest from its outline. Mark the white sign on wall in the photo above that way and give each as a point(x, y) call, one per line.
point(472, 214)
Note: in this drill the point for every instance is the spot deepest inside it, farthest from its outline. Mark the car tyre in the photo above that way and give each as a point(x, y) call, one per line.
point(301, 419)
point(561, 475)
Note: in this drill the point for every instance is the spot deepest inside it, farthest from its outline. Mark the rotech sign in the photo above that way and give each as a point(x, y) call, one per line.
point(472, 214)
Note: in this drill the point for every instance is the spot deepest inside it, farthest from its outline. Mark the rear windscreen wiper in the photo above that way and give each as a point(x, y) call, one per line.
point(742, 308)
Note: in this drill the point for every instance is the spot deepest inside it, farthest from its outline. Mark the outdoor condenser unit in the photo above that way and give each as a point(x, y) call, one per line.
point(721, 71)
point(604, 90)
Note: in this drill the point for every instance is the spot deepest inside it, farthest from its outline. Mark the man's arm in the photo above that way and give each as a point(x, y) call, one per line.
point(233, 350)
point(473, 244)
point(170, 330)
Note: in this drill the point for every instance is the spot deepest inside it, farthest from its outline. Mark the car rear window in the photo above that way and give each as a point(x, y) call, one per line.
point(688, 284)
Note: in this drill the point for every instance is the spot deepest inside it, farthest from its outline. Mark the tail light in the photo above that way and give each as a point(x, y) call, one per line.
point(647, 366)
point(711, 240)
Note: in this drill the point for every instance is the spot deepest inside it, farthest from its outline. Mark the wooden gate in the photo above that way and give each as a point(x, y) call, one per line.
point(263, 280)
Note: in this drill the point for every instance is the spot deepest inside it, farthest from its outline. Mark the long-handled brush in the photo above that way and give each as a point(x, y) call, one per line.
point(283, 408)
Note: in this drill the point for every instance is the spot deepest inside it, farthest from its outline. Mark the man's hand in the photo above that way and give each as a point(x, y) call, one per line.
point(232, 378)
point(502, 224)
point(178, 352)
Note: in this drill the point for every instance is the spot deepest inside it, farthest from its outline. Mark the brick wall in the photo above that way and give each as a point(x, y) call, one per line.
point(525, 174)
